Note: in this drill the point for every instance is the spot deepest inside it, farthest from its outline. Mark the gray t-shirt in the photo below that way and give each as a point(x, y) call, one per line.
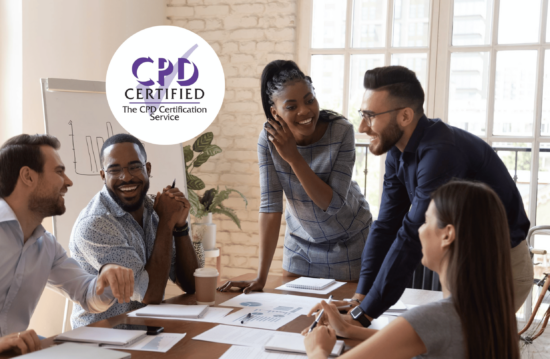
point(439, 327)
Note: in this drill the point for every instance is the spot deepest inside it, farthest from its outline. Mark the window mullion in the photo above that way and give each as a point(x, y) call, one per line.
point(389, 33)
point(347, 58)
point(492, 75)
point(442, 65)
point(433, 47)
point(543, 22)
point(537, 129)
point(304, 35)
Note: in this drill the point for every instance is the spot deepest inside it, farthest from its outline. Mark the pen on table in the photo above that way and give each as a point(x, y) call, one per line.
point(346, 306)
point(174, 183)
point(248, 316)
point(319, 316)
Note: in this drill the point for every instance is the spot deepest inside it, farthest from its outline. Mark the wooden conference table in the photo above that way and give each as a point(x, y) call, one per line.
point(189, 348)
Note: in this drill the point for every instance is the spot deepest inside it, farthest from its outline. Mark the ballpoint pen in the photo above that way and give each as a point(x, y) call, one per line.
point(246, 318)
point(319, 316)
point(174, 183)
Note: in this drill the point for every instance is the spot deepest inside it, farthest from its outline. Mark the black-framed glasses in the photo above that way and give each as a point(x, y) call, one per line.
point(368, 116)
point(133, 169)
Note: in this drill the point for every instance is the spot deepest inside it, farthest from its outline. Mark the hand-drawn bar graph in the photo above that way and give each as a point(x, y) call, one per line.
point(88, 163)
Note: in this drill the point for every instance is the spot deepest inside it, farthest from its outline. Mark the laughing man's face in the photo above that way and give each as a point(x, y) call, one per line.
point(130, 185)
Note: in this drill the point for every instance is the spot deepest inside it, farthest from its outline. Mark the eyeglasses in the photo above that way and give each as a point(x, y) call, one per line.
point(368, 116)
point(133, 169)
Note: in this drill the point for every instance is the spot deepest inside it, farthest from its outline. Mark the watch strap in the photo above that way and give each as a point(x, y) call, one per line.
point(358, 315)
point(181, 231)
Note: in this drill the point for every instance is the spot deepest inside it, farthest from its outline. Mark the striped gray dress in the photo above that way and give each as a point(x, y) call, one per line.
point(324, 244)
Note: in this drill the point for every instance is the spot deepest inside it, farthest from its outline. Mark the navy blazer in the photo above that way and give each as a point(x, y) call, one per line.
point(435, 154)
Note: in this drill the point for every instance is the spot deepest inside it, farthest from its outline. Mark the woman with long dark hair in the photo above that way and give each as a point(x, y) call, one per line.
point(465, 239)
point(308, 154)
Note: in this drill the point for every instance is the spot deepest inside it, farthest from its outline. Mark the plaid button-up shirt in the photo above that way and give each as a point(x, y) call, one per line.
point(318, 243)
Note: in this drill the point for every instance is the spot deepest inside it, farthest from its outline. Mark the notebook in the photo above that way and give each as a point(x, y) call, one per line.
point(310, 283)
point(102, 336)
point(294, 343)
point(72, 350)
point(173, 310)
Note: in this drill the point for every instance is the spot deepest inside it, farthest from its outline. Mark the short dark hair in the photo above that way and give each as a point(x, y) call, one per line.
point(121, 138)
point(18, 152)
point(275, 76)
point(401, 84)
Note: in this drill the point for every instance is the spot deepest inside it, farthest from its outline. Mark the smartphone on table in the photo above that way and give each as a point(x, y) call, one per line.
point(150, 330)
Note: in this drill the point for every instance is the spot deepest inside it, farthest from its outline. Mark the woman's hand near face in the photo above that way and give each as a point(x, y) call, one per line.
point(283, 139)
point(319, 342)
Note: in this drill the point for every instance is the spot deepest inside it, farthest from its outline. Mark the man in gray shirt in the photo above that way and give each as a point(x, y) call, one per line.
point(121, 224)
point(32, 186)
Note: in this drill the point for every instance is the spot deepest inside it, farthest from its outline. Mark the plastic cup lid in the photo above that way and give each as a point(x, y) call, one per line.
point(206, 272)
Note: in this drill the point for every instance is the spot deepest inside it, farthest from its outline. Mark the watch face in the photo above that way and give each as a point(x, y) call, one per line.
point(356, 312)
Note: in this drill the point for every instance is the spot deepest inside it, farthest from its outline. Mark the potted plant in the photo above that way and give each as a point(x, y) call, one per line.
point(211, 201)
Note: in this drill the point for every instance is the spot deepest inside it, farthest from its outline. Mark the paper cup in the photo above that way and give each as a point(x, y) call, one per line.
point(206, 280)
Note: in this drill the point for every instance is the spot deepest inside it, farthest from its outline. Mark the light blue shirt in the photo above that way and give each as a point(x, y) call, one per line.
point(104, 233)
point(27, 267)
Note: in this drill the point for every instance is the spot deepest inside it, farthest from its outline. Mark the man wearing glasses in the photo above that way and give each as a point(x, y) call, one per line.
point(122, 225)
point(422, 154)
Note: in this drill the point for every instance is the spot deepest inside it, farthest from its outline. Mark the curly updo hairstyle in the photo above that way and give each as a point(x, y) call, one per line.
point(276, 75)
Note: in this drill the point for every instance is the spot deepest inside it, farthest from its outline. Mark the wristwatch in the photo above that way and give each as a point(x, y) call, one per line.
point(358, 314)
point(182, 231)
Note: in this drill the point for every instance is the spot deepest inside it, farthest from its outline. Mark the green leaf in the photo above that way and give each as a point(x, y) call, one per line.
point(193, 200)
point(194, 183)
point(201, 159)
point(223, 195)
point(229, 213)
point(187, 153)
point(203, 142)
point(212, 150)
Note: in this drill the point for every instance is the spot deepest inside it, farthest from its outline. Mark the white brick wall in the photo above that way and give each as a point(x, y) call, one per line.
point(246, 35)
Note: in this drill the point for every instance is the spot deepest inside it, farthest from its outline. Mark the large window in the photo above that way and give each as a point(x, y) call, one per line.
point(484, 66)
point(347, 37)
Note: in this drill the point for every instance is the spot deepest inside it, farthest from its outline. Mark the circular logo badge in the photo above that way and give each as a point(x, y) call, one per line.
point(165, 85)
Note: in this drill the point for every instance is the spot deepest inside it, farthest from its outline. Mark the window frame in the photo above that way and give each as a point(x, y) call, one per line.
point(438, 72)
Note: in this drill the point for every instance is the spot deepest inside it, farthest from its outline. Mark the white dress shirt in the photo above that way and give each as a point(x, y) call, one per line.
point(26, 268)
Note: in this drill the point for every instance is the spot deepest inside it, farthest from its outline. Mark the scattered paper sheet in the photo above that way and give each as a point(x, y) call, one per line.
point(262, 300)
point(293, 343)
point(264, 318)
point(238, 352)
point(213, 315)
point(379, 323)
point(327, 290)
point(235, 336)
point(152, 343)
point(398, 312)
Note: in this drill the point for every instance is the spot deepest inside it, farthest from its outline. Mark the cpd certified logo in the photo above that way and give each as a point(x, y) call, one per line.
point(165, 85)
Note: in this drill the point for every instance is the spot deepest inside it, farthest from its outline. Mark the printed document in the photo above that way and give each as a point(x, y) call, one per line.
point(302, 304)
point(236, 336)
point(264, 318)
point(238, 352)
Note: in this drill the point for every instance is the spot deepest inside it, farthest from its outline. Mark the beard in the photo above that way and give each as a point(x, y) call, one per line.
point(130, 207)
point(387, 139)
point(46, 204)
